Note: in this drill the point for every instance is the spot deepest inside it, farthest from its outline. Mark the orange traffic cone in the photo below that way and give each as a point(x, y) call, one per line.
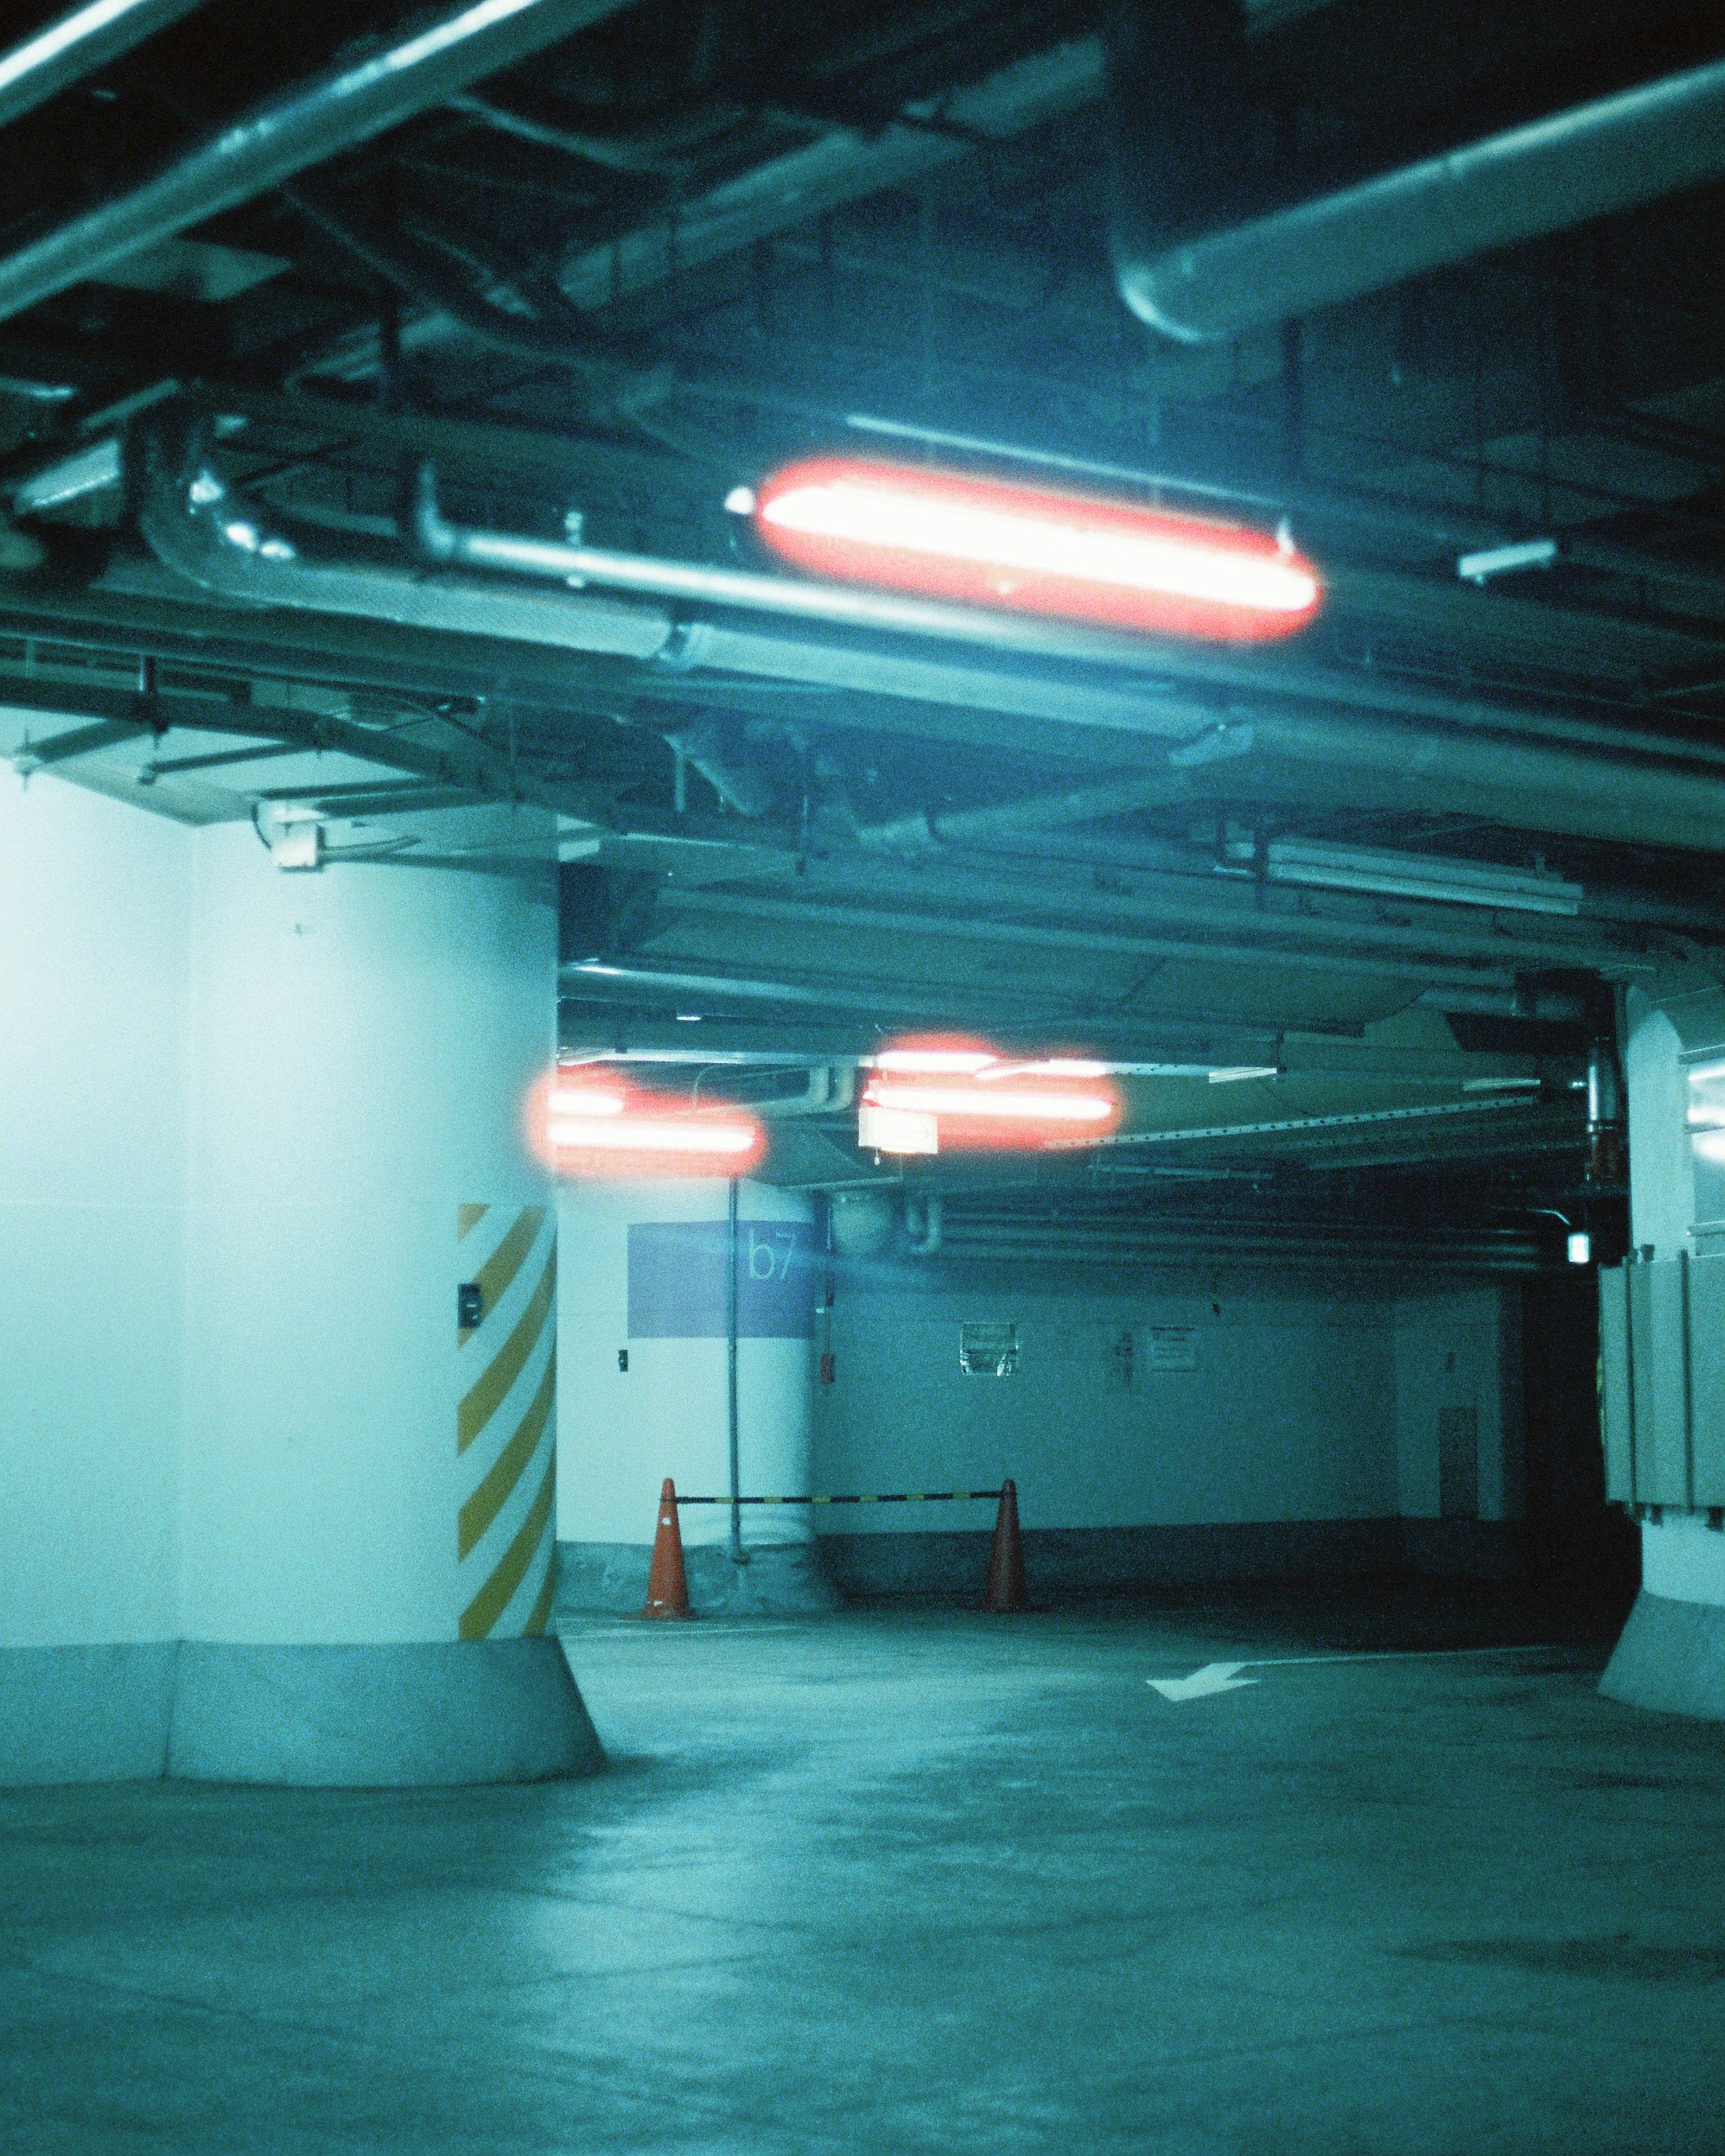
point(667, 1589)
point(1006, 1591)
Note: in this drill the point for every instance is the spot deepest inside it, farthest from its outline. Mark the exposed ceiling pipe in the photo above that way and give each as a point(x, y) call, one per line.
point(1168, 783)
point(797, 598)
point(1196, 913)
point(1394, 743)
point(77, 46)
point(205, 530)
point(304, 126)
point(1553, 1006)
point(1200, 283)
point(1153, 1242)
point(890, 1005)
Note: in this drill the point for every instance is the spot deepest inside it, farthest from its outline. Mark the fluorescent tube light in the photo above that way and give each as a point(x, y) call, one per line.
point(986, 543)
point(993, 1107)
point(648, 1134)
point(1411, 875)
point(1479, 569)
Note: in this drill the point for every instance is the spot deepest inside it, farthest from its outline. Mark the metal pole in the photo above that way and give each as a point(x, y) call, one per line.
point(736, 1553)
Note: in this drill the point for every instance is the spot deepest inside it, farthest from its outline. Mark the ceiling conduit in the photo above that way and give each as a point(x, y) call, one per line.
point(203, 528)
point(974, 1232)
point(1195, 259)
point(318, 120)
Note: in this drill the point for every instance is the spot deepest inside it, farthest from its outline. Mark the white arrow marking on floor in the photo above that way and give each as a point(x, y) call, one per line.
point(1213, 1676)
point(1224, 1676)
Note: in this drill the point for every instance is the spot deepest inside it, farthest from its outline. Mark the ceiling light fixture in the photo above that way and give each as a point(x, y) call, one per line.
point(935, 1095)
point(1479, 569)
point(1073, 557)
point(1002, 1104)
point(589, 1131)
point(1406, 876)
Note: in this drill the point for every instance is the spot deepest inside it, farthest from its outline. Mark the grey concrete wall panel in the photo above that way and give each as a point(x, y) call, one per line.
point(780, 1579)
point(397, 1716)
point(1659, 1381)
point(1668, 1311)
point(1707, 1379)
point(1671, 1658)
point(84, 1714)
point(1617, 1400)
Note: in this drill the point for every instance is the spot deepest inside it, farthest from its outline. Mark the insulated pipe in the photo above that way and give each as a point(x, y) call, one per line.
point(207, 531)
point(440, 540)
point(1613, 154)
point(1447, 754)
point(839, 605)
point(304, 127)
point(1006, 819)
point(922, 1223)
point(77, 46)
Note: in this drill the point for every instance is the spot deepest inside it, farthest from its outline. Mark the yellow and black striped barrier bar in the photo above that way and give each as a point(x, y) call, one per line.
point(887, 1497)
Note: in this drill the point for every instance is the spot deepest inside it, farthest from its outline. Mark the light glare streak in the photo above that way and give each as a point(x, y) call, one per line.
point(872, 513)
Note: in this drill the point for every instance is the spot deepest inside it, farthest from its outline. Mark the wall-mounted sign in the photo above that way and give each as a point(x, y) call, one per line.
point(988, 1351)
point(678, 1289)
point(1169, 1348)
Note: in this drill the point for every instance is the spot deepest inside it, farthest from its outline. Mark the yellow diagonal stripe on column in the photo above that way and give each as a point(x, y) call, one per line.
point(485, 1503)
point(467, 1217)
point(540, 1615)
point(498, 1272)
point(489, 1605)
point(491, 1387)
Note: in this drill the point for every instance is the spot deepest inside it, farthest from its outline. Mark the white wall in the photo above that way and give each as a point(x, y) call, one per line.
point(620, 1433)
point(1458, 1347)
point(1290, 1414)
point(95, 918)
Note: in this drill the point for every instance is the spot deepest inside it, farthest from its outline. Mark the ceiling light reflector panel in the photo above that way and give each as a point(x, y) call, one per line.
point(1076, 558)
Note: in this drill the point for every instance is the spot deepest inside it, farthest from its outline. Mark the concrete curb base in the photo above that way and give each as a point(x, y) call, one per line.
point(1670, 1657)
point(84, 1714)
point(407, 1715)
point(781, 1580)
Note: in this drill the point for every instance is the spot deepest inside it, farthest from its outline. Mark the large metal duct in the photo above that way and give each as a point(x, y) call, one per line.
point(315, 120)
point(1196, 259)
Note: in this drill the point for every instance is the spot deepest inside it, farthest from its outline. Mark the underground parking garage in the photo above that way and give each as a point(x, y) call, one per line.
point(862, 1076)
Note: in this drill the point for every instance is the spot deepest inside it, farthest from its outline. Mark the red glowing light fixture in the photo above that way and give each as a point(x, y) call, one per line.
point(1077, 557)
point(961, 1095)
point(602, 1129)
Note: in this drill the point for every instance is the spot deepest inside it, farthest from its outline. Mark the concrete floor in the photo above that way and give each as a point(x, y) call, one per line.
point(896, 1882)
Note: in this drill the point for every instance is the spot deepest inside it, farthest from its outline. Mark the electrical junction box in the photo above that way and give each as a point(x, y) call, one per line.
point(297, 846)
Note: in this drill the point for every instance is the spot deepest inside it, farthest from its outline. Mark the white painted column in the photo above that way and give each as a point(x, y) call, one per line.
point(266, 1512)
point(94, 918)
point(643, 1279)
point(362, 1042)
